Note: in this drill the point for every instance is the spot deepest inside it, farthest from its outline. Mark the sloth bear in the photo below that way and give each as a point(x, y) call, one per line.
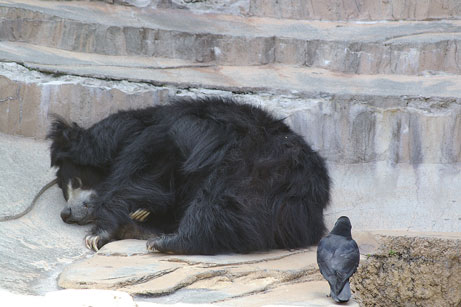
point(196, 176)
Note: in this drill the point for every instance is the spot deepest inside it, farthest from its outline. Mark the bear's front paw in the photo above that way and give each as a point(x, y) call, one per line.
point(164, 244)
point(150, 244)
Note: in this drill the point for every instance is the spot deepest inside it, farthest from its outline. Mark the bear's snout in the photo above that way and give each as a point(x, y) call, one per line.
point(65, 214)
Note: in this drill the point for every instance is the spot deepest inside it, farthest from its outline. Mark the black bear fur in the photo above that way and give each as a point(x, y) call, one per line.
point(216, 175)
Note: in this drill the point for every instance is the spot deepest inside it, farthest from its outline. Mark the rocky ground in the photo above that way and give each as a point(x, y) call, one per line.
point(253, 279)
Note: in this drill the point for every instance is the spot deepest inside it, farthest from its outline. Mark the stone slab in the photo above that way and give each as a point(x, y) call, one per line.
point(253, 279)
point(113, 272)
point(308, 293)
point(232, 40)
point(27, 101)
point(284, 78)
point(155, 273)
point(36, 247)
point(291, 280)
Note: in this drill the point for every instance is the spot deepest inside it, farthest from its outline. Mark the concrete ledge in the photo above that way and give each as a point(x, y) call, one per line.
point(350, 120)
point(357, 10)
point(365, 10)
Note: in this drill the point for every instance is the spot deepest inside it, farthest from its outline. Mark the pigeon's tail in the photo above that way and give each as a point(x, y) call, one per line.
point(344, 295)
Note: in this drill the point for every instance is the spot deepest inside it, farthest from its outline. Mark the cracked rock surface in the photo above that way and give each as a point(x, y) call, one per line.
point(396, 266)
point(250, 279)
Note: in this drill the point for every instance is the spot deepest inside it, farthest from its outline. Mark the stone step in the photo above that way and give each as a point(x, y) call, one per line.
point(364, 48)
point(333, 10)
point(357, 10)
point(350, 119)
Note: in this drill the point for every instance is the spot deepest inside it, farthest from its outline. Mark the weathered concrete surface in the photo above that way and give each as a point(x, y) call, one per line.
point(34, 248)
point(281, 79)
point(350, 120)
point(384, 196)
point(365, 10)
point(411, 270)
point(235, 7)
point(357, 10)
point(391, 48)
point(28, 99)
point(21, 160)
point(249, 280)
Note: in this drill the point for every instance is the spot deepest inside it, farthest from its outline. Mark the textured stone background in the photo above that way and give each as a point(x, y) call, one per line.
point(422, 270)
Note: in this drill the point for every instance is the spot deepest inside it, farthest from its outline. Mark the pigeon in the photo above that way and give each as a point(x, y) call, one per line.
point(338, 258)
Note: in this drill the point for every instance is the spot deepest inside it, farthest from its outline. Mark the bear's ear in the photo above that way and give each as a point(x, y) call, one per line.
point(61, 134)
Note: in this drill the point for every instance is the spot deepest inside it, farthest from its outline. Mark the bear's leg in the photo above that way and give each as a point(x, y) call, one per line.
point(130, 230)
point(169, 244)
point(198, 233)
point(124, 219)
point(107, 226)
point(216, 223)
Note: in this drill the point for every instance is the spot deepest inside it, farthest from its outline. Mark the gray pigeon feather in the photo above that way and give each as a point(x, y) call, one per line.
point(338, 258)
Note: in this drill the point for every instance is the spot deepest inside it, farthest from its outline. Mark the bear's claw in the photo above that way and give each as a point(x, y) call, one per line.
point(91, 242)
point(139, 215)
point(150, 246)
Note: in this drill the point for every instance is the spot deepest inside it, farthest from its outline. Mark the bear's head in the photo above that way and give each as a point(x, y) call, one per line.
point(77, 182)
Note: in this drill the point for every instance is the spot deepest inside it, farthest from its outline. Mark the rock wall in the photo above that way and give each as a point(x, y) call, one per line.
point(422, 270)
